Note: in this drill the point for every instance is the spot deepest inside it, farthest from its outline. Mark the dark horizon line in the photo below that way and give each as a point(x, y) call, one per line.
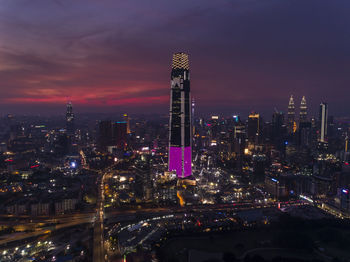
point(118, 114)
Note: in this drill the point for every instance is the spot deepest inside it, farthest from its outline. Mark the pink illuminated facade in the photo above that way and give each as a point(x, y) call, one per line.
point(180, 152)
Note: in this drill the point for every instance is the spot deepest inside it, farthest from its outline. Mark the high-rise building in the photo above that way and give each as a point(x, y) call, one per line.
point(112, 135)
point(239, 144)
point(291, 116)
point(214, 127)
point(305, 134)
point(127, 121)
point(304, 137)
point(119, 133)
point(70, 119)
point(253, 128)
point(105, 134)
point(323, 121)
point(180, 151)
point(303, 111)
point(278, 128)
point(345, 155)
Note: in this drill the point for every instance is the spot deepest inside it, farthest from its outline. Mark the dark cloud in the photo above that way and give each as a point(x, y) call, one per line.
point(245, 54)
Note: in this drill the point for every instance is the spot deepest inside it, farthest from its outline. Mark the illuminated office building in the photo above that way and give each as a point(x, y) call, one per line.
point(291, 116)
point(278, 129)
point(127, 121)
point(304, 131)
point(214, 127)
point(303, 111)
point(70, 119)
point(277, 124)
point(323, 121)
point(253, 127)
point(346, 143)
point(180, 117)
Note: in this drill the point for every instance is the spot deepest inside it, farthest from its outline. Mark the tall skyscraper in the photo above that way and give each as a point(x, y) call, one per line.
point(304, 135)
point(253, 128)
point(239, 142)
point(127, 121)
point(303, 111)
point(70, 119)
point(291, 115)
point(105, 133)
point(277, 126)
point(323, 121)
point(180, 151)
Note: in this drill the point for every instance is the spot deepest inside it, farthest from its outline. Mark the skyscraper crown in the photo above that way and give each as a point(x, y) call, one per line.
point(180, 61)
point(291, 101)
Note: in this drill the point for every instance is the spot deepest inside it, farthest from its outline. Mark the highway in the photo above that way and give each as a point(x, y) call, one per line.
point(39, 221)
point(44, 230)
point(98, 218)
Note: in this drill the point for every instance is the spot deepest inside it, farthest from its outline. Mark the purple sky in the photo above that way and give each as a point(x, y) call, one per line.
point(109, 56)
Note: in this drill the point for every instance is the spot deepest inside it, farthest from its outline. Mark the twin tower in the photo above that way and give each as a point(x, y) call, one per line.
point(291, 113)
point(179, 157)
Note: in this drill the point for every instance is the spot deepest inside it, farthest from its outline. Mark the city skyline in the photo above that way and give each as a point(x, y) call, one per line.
point(174, 131)
point(247, 56)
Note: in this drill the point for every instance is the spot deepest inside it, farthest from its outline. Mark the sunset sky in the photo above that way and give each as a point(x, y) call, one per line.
point(114, 55)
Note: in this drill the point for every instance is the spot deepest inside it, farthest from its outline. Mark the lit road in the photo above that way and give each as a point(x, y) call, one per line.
point(45, 230)
point(36, 221)
point(98, 249)
point(98, 218)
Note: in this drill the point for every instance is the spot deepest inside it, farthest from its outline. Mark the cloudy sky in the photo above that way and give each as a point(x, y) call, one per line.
point(115, 55)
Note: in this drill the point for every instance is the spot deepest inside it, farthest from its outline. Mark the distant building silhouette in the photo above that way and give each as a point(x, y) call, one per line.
point(70, 119)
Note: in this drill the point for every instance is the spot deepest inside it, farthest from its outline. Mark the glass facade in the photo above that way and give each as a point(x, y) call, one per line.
point(180, 117)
